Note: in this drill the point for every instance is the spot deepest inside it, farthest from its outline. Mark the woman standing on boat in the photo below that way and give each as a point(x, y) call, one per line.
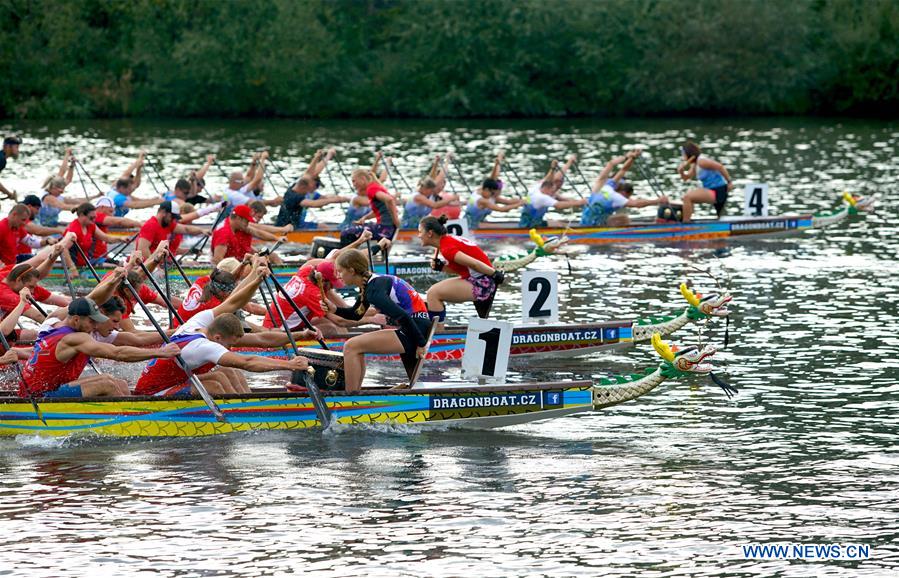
point(715, 179)
point(488, 198)
point(392, 296)
point(477, 281)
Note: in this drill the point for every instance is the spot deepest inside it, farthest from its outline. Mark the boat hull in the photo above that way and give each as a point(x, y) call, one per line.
point(528, 342)
point(467, 408)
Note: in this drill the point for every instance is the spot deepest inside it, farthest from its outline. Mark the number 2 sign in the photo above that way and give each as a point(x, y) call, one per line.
point(540, 296)
point(458, 227)
point(487, 346)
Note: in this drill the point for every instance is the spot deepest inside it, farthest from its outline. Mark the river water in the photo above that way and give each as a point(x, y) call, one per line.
point(672, 484)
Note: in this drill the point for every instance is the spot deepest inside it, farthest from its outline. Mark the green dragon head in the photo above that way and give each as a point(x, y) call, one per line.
point(710, 306)
point(690, 360)
point(545, 247)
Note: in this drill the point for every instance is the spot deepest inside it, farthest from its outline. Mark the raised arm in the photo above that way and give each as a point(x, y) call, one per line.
point(67, 168)
point(8, 325)
point(243, 292)
point(256, 179)
point(201, 174)
point(497, 165)
point(105, 289)
point(606, 171)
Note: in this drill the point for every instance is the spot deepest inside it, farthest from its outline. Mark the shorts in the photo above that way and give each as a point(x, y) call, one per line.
point(720, 198)
point(483, 288)
point(65, 390)
point(378, 232)
point(410, 345)
point(22, 257)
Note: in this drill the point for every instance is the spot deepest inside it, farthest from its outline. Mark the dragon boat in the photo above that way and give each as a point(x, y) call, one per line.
point(426, 405)
point(653, 231)
point(549, 341)
point(406, 267)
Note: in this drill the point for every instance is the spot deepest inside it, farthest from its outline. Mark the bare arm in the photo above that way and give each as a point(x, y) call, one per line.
point(42, 231)
point(497, 165)
point(259, 364)
point(85, 344)
point(137, 339)
point(9, 322)
point(472, 263)
point(122, 222)
point(241, 294)
point(203, 170)
point(135, 203)
point(714, 166)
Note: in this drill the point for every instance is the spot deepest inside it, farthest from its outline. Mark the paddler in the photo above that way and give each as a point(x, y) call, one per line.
point(304, 195)
point(477, 281)
point(28, 274)
point(167, 225)
point(234, 238)
point(489, 198)
point(716, 181)
point(544, 196)
point(127, 183)
point(104, 220)
point(214, 338)
point(451, 207)
point(14, 236)
point(86, 233)
point(60, 356)
point(383, 208)
point(611, 194)
point(422, 203)
point(390, 295)
point(210, 291)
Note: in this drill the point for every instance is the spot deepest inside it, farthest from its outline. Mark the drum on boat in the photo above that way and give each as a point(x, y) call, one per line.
point(328, 366)
point(322, 246)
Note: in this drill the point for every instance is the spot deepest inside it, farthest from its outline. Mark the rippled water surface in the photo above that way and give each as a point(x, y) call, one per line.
point(668, 485)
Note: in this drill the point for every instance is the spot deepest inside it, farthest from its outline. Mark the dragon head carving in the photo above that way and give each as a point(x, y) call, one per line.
point(858, 204)
point(545, 247)
point(710, 306)
point(686, 361)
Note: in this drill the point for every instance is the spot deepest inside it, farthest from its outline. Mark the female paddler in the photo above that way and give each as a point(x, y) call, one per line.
point(489, 198)
point(392, 296)
point(715, 179)
point(383, 208)
point(477, 281)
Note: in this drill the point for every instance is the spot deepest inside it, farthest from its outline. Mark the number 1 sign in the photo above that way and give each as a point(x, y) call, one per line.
point(487, 346)
point(540, 296)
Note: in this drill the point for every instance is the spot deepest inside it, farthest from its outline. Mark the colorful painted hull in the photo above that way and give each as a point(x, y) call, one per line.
point(471, 408)
point(403, 267)
point(552, 341)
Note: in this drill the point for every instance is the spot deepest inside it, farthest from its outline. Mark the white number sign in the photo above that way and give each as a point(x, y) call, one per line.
point(458, 227)
point(755, 200)
point(540, 296)
point(487, 346)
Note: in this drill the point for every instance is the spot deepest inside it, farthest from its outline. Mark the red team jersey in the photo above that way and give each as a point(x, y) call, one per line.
point(305, 293)
point(9, 241)
point(156, 233)
point(450, 245)
point(192, 303)
point(146, 294)
point(84, 238)
point(162, 374)
point(43, 372)
point(100, 247)
point(9, 298)
point(237, 244)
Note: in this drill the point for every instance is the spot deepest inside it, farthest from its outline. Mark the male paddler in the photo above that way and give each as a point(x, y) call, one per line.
point(60, 356)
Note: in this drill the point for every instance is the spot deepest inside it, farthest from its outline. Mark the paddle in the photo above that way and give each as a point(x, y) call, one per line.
point(461, 176)
point(649, 179)
point(280, 174)
point(31, 398)
point(171, 256)
point(199, 245)
point(293, 305)
point(321, 408)
point(158, 176)
point(577, 169)
point(210, 403)
point(84, 170)
point(81, 180)
point(65, 270)
point(113, 253)
point(340, 168)
point(168, 293)
point(168, 303)
point(517, 178)
point(87, 261)
point(564, 180)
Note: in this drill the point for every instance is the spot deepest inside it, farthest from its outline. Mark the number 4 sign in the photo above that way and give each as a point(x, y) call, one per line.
point(487, 346)
point(755, 200)
point(540, 296)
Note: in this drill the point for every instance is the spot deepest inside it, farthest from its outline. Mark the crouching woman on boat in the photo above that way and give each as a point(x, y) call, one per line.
point(203, 351)
point(392, 296)
point(477, 280)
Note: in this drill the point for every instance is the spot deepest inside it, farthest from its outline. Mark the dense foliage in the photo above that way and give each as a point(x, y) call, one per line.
point(85, 58)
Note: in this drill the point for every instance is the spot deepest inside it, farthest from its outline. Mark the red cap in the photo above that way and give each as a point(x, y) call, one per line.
point(244, 212)
point(329, 274)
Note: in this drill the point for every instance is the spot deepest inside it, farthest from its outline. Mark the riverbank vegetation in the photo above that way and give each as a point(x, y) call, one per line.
point(447, 58)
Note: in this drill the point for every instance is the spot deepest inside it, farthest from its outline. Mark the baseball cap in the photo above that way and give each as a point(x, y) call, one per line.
point(32, 201)
point(173, 208)
point(85, 307)
point(12, 140)
point(244, 212)
point(329, 274)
